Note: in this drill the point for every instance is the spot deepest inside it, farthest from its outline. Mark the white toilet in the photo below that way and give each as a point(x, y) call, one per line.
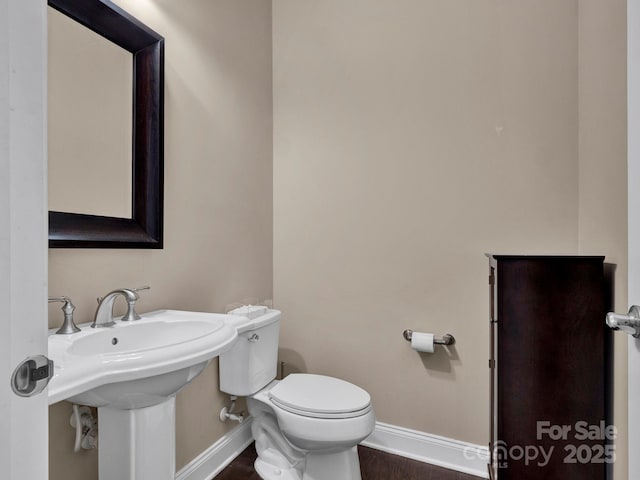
point(306, 427)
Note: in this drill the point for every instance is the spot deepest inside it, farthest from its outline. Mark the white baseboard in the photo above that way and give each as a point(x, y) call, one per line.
point(424, 447)
point(213, 460)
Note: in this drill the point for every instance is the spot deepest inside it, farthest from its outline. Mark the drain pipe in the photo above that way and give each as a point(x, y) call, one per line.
point(86, 428)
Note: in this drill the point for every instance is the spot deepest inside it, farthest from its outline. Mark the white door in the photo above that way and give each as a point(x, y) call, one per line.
point(633, 130)
point(23, 233)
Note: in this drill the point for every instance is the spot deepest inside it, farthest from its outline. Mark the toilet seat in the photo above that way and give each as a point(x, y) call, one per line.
point(319, 396)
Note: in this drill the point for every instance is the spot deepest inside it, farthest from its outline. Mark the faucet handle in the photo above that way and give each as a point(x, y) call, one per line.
point(131, 306)
point(68, 326)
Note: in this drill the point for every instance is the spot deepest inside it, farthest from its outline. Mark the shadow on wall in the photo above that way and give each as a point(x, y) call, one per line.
point(610, 282)
point(290, 362)
point(440, 363)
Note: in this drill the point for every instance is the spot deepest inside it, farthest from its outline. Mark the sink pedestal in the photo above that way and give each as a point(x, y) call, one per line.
point(137, 444)
point(132, 372)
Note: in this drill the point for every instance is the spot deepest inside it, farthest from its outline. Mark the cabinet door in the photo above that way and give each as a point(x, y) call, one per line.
point(551, 373)
point(493, 384)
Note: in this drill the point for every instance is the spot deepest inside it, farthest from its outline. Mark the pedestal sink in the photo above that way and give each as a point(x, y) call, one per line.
point(132, 372)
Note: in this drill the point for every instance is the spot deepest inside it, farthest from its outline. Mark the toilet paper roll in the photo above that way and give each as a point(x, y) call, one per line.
point(422, 342)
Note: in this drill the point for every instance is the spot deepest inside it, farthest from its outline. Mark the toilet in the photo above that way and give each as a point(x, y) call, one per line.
point(305, 426)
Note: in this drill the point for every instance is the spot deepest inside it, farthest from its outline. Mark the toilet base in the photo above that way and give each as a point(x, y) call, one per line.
point(342, 465)
point(268, 471)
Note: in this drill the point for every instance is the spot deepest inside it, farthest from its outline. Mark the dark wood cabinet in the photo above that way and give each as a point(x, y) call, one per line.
point(550, 368)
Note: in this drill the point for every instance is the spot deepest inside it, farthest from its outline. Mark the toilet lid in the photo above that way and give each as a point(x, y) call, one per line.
point(320, 396)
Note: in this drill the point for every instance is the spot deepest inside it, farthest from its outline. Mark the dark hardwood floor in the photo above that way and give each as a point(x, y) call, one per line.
point(375, 465)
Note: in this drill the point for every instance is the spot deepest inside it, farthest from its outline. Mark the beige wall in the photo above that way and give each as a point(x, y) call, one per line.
point(603, 168)
point(411, 137)
point(218, 207)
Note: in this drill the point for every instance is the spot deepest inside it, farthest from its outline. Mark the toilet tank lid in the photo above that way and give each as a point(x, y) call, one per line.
point(251, 317)
point(319, 394)
point(249, 311)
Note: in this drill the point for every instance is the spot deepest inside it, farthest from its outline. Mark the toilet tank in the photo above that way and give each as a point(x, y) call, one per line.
point(252, 362)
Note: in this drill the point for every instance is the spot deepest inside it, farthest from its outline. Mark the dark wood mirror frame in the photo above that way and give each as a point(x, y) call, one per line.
point(144, 229)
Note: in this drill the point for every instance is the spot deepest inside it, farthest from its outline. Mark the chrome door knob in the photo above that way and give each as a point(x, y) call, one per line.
point(629, 323)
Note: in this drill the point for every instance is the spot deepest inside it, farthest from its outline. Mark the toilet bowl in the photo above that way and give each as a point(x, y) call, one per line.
point(321, 418)
point(305, 427)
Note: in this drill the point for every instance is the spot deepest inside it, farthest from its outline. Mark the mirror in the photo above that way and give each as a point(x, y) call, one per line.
point(121, 151)
point(89, 134)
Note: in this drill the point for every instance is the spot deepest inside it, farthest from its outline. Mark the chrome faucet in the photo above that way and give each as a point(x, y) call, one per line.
point(104, 312)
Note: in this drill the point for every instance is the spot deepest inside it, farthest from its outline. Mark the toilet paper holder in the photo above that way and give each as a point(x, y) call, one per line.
point(447, 339)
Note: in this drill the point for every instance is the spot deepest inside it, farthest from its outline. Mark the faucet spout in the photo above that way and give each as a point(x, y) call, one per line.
point(104, 312)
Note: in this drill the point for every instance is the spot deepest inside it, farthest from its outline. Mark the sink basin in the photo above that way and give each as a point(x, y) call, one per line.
point(136, 364)
point(141, 337)
point(131, 372)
